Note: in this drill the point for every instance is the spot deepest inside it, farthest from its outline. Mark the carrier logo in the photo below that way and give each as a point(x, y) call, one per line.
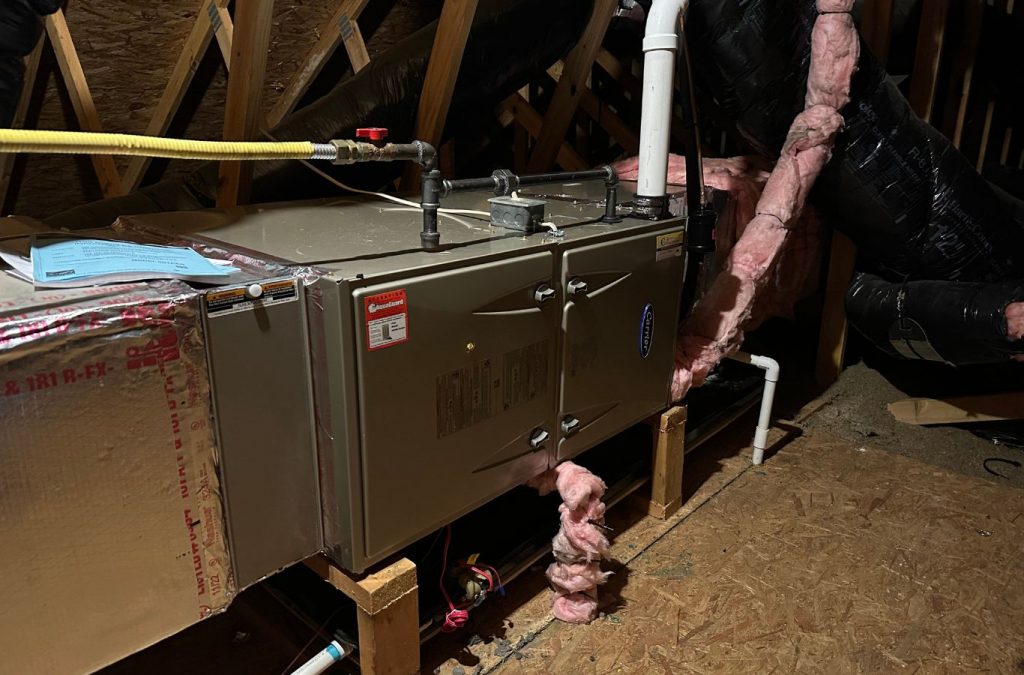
point(646, 330)
point(376, 308)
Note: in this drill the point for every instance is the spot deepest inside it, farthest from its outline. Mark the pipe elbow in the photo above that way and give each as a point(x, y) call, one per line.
point(662, 24)
point(427, 156)
point(769, 365)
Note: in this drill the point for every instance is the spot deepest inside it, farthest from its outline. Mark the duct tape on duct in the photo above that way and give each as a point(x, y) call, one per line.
point(111, 520)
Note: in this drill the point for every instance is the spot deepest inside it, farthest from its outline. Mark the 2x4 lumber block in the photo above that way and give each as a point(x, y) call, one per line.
point(20, 114)
point(340, 27)
point(387, 607)
point(570, 87)
point(242, 114)
point(81, 98)
point(208, 22)
point(667, 463)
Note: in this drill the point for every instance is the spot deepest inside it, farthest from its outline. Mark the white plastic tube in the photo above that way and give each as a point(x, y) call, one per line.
point(771, 377)
point(661, 41)
point(330, 655)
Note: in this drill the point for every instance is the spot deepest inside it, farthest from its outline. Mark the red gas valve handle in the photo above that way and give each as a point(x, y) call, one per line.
point(375, 135)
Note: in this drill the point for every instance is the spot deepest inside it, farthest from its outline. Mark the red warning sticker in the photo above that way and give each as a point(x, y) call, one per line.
point(387, 319)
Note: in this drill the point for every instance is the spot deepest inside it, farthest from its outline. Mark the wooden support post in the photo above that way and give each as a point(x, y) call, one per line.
point(442, 72)
point(208, 22)
point(570, 87)
point(525, 115)
point(340, 27)
point(242, 114)
point(388, 615)
point(832, 336)
point(955, 115)
point(876, 27)
point(927, 57)
point(20, 114)
point(81, 98)
point(667, 464)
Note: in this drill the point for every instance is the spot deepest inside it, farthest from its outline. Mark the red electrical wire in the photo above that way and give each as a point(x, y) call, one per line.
point(455, 618)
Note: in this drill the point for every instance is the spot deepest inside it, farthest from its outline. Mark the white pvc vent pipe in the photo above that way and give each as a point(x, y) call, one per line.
point(661, 41)
point(771, 376)
point(323, 660)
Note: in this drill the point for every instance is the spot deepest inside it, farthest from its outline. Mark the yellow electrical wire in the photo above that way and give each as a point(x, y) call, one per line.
point(83, 143)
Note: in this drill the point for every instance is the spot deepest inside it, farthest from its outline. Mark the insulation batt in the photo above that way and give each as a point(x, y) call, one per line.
point(714, 328)
point(579, 545)
point(743, 178)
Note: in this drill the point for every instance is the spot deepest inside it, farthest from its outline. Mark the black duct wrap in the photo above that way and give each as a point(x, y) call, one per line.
point(20, 27)
point(910, 201)
point(957, 323)
point(507, 46)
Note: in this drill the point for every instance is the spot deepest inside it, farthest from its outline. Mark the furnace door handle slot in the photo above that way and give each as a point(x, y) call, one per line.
point(538, 438)
point(577, 287)
point(543, 294)
point(570, 425)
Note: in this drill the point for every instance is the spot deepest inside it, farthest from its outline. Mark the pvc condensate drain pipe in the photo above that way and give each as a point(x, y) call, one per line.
point(324, 659)
point(771, 376)
point(661, 41)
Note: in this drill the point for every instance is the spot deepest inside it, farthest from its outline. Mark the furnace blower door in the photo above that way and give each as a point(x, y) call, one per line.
point(387, 319)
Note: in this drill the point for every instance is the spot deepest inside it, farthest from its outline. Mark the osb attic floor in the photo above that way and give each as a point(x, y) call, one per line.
point(831, 557)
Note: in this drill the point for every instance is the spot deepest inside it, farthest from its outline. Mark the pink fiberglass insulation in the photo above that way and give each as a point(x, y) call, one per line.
point(1015, 320)
point(715, 327)
point(794, 276)
point(579, 545)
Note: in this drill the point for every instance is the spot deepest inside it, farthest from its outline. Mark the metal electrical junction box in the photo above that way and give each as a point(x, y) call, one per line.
point(443, 379)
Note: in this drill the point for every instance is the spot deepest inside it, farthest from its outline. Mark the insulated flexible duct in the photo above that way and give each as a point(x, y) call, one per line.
point(910, 201)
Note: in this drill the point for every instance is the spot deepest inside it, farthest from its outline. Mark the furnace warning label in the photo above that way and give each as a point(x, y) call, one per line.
point(470, 395)
point(669, 246)
point(387, 319)
point(231, 300)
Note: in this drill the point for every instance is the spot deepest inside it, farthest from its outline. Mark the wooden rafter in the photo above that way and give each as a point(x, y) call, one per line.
point(602, 113)
point(340, 28)
point(570, 87)
point(876, 27)
point(928, 55)
point(442, 71)
point(519, 111)
point(213, 19)
point(245, 93)
point(20, 114)
point(81, 98)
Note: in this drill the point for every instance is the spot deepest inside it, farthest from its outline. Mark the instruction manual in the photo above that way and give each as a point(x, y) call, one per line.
point(69, 263)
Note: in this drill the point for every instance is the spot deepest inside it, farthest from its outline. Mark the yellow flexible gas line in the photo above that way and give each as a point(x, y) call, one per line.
point(82, 143)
